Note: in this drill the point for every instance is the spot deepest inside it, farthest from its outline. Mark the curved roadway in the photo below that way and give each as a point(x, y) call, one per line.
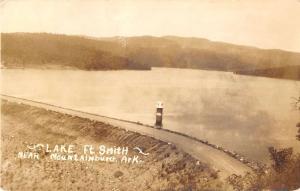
point(202, 152)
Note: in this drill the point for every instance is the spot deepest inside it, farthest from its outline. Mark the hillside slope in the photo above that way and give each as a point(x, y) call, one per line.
point(285, 72)
point(33, 50)
point(170, 51)
point(24, 50)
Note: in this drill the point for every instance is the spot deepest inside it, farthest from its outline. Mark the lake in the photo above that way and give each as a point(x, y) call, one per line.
point(242, 113)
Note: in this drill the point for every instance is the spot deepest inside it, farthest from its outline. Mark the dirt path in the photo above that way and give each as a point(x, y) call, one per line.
point(166, 167)
point(204, 153)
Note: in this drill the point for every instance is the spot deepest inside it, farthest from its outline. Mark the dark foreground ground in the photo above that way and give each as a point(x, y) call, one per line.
point(165, 168)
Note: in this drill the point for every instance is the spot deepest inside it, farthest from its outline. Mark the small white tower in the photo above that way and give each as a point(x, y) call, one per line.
point(159, 114)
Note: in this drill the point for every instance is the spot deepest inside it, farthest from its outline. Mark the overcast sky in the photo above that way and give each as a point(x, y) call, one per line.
point(260, 23)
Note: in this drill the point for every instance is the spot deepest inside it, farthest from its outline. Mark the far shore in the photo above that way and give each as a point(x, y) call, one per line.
point(267, 73)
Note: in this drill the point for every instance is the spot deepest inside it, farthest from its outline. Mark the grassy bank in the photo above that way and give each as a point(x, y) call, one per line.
point(165, 168)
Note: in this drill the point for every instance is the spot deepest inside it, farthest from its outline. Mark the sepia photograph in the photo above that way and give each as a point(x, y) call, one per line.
point(150, 95)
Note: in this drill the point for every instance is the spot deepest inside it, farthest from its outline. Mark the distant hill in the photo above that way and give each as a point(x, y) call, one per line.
point(25, 50)
point(286, 72)
point(144, 52)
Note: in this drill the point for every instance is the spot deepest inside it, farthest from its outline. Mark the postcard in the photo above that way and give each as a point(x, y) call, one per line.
point(158, 95)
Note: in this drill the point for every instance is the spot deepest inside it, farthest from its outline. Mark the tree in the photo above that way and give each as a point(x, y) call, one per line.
point(280, 158)
point(297, 106)
point(298, 135)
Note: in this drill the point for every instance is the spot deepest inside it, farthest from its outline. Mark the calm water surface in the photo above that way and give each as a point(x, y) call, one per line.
point(241, 113)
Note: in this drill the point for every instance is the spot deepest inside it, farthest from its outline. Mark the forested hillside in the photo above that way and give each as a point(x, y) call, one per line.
point(286, 72)
point(23, 50)
point(42, 50)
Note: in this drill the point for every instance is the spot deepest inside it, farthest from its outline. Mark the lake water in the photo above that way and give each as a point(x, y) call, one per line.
point(242, 113)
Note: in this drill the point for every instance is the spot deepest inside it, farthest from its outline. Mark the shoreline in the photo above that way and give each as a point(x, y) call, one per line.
point(166, 167)
point(212, 152)
point(253, 165)
point(237, 72)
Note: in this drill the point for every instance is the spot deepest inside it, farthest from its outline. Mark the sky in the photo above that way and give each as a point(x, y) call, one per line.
point(271, 24)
